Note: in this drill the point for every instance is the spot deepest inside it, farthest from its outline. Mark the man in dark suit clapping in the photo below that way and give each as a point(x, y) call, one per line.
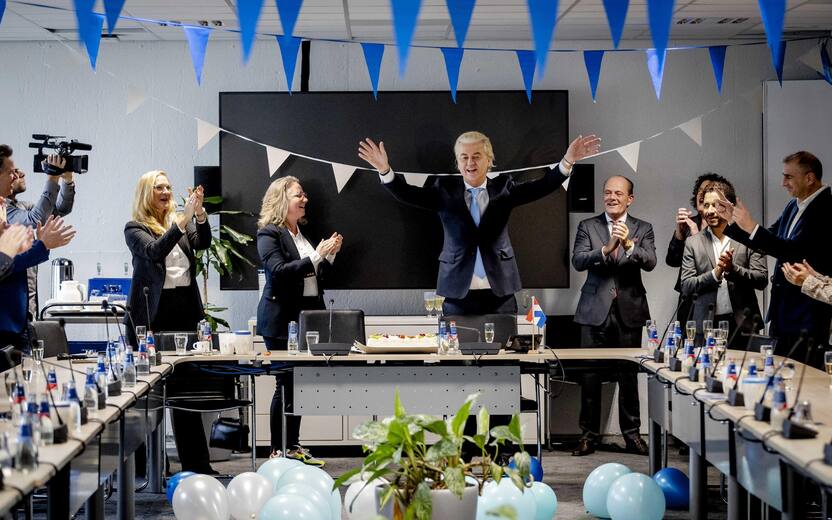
point(614, 248)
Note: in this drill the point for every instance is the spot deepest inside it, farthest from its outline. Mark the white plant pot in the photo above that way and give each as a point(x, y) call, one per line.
point(447, 506)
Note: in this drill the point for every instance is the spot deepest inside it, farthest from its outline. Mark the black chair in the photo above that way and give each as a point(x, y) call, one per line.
point(505, 326)
point(53, 337)
point(347, 326)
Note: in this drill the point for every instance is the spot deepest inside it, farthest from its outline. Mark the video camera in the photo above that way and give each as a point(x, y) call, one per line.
point(74, 163)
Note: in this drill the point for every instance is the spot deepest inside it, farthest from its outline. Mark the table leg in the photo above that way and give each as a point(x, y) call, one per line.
point(794, 495)
point(654, 443)
point(253, 418)
point(698, 486)
point(737, 500)
point(57, 500)
point(283, 418)
point(155, 462)
point(537, 415)
point(126, 479)
point(94, 506)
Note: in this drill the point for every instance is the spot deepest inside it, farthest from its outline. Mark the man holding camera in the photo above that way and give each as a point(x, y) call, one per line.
point(57, 199)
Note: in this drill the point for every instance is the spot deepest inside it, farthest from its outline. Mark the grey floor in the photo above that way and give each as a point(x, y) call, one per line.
point(563, 472)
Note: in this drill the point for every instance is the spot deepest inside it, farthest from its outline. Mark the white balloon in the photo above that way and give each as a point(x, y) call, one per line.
point(335, 504)
point(360, 499)
point(547, 501)
point(276, 467)
point(309, 475)
point(505, 493)
point(200, 497)
point(247, 493)
point(311, 495)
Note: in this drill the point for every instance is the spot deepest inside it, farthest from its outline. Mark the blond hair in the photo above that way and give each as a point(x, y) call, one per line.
point(474, 138)
point(143, 210)
point(275, 205)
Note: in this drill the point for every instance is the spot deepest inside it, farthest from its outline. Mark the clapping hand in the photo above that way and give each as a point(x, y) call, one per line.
point(683, 220)
point(375, 154)
point(15, 239)
point(55, 233)
point(582, 147)
point(330, 246)
point(198, 195)
point(725, 264)
point(797, 273)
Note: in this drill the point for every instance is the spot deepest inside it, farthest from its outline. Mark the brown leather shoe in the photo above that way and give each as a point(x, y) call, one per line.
point(635, 444)
point(585, 447)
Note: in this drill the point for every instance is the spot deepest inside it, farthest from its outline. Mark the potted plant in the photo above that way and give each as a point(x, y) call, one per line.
point(422, 478)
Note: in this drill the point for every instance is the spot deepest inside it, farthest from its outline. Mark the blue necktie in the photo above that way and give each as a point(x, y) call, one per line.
point(786, 221)
point(479, 268)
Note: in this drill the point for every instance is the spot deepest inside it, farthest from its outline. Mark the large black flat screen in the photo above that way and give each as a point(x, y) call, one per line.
point(388, 245)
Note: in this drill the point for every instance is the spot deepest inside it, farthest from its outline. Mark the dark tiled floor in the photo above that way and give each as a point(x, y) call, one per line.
point(566, 475)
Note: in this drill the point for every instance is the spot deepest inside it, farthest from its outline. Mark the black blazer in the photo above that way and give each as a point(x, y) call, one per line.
point(446, 196)
point(149, 252)
point(606, 276)
point(282, 297)
point(790, 310)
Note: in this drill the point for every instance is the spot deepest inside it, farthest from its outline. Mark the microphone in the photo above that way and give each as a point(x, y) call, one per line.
point(735, 397)
point(675, 364)
point(146, 292)
point(114, 388)
point(128, 311)
point(792, 429)
point(331, 305)
point(658, 354)
point(761, 411)
point(330, 348)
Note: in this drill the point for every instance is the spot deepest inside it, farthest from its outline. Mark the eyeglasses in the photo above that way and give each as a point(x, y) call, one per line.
point(163, 187)
point(298, 195)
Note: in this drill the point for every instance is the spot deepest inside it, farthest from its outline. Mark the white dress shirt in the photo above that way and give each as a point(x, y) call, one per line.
point(482, 200)
point(801, 207)
point(723, 299)
point(177, 269)
point(305, 250)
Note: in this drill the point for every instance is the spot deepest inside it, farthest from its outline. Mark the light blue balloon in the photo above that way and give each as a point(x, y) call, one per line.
point(275, 468)
point(546, 500)
point(311, 476)
point(597, 485)
point(635, 497)
point(309, 494)
point(335, 504)
point(290, 507)
point(505, 493)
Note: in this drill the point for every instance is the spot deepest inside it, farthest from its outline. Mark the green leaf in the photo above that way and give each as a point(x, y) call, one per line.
point(458, 423)
point(214, 199)
point(370, 432)
point(516, 430)
point(504, 433)
point(483, 421)
point(523, 462)
point(235, 235)
point(232, 212)
point(443, 449)
point(496, 472)
point(505, 511)
point(516, 478)
point(345, 477)
point(422, 503)
point(438, 427)
point(455, 480)
point(398, 409)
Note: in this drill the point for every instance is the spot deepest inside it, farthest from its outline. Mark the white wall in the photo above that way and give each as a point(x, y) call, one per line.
point(48, 87)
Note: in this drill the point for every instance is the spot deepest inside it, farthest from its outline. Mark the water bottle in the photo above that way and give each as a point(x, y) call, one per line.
point(34, 418)
point(779, 407)
point(652, 336)
point(203, 331)
point(292, 342)
point(690, 355)
point(151, 349)
point(706, 365)
point(142, 363)
point(730, 379)
point(74, 419)
point(769, 361)
point(51, 380)
point(129, 376)
point(669, 348)
point(677, 332)
point(47, 429)
point(26, 454)
point(90, 391)
point(101, 376)
point(442, 338)
point(453, 340)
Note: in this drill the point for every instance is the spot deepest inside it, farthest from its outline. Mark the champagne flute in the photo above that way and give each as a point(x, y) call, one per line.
point(488, 329)
point(438, 302)
point(724, 327)
point(690, 329)
point(429, 301)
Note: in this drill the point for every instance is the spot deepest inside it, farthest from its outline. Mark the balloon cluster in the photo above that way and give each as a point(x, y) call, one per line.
point(281, 489)
point(613, 491)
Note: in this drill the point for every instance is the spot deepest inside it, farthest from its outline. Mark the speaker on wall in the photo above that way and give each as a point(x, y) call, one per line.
point(211, 181)
point(581, 193)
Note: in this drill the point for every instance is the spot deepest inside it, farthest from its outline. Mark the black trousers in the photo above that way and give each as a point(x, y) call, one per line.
point(284, 380)
point(611, 333)
point(480, 301)
point(173, 315)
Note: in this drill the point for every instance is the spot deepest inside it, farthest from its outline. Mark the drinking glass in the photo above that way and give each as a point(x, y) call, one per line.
point(439, 301)
point(429, 302)
point(141, 332)
point(723, 329)
point(37, 351)
point(181, 342)
point(690, 329)
point(311, 338)
point(827, 361)
point(707, 326)
point(488, 329)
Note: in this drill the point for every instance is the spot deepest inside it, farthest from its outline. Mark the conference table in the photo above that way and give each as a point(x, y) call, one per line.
point(756, 460)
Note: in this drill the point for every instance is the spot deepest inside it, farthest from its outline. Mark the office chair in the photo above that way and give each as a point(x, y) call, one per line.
point(347, 326)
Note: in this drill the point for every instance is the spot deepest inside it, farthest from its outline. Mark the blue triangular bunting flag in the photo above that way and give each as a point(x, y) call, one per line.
point(288, 10)
point(543, 15)
point(248, 12)
point(453, 58)
point(527, 63)
point(773, 13)
point(778, 63)
point(373, 52)
point(826, 62)
point(659, 16)
point(89, 28)
point(655, 65)
point(2, 9)
point(289, 46)
point(197, 41)
point(113, 10)
point(592, 60)
point(460, 11)
point(616, 14)
point(717, 53)
point(405, 14)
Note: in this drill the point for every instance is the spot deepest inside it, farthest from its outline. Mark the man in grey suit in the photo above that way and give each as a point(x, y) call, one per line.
point(614, 248)
point(720, 271)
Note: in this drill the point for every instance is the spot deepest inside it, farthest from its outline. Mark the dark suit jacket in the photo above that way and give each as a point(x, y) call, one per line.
point(285, 272)
point(790, 310)
point(149, 252)
point(446, 196)
point(605, 276)
point(750, 273)
point(14, 288)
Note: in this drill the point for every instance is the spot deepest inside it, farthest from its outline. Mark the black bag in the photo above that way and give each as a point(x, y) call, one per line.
point(229, 434)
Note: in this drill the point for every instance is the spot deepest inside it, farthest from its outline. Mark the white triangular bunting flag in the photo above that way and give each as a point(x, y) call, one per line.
point(343, 173)
point(693, 129)
point(276, 158)
point(415, 179)
point(812, 59)
point(630, 154)
point(205, 131)
point(135, 97)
